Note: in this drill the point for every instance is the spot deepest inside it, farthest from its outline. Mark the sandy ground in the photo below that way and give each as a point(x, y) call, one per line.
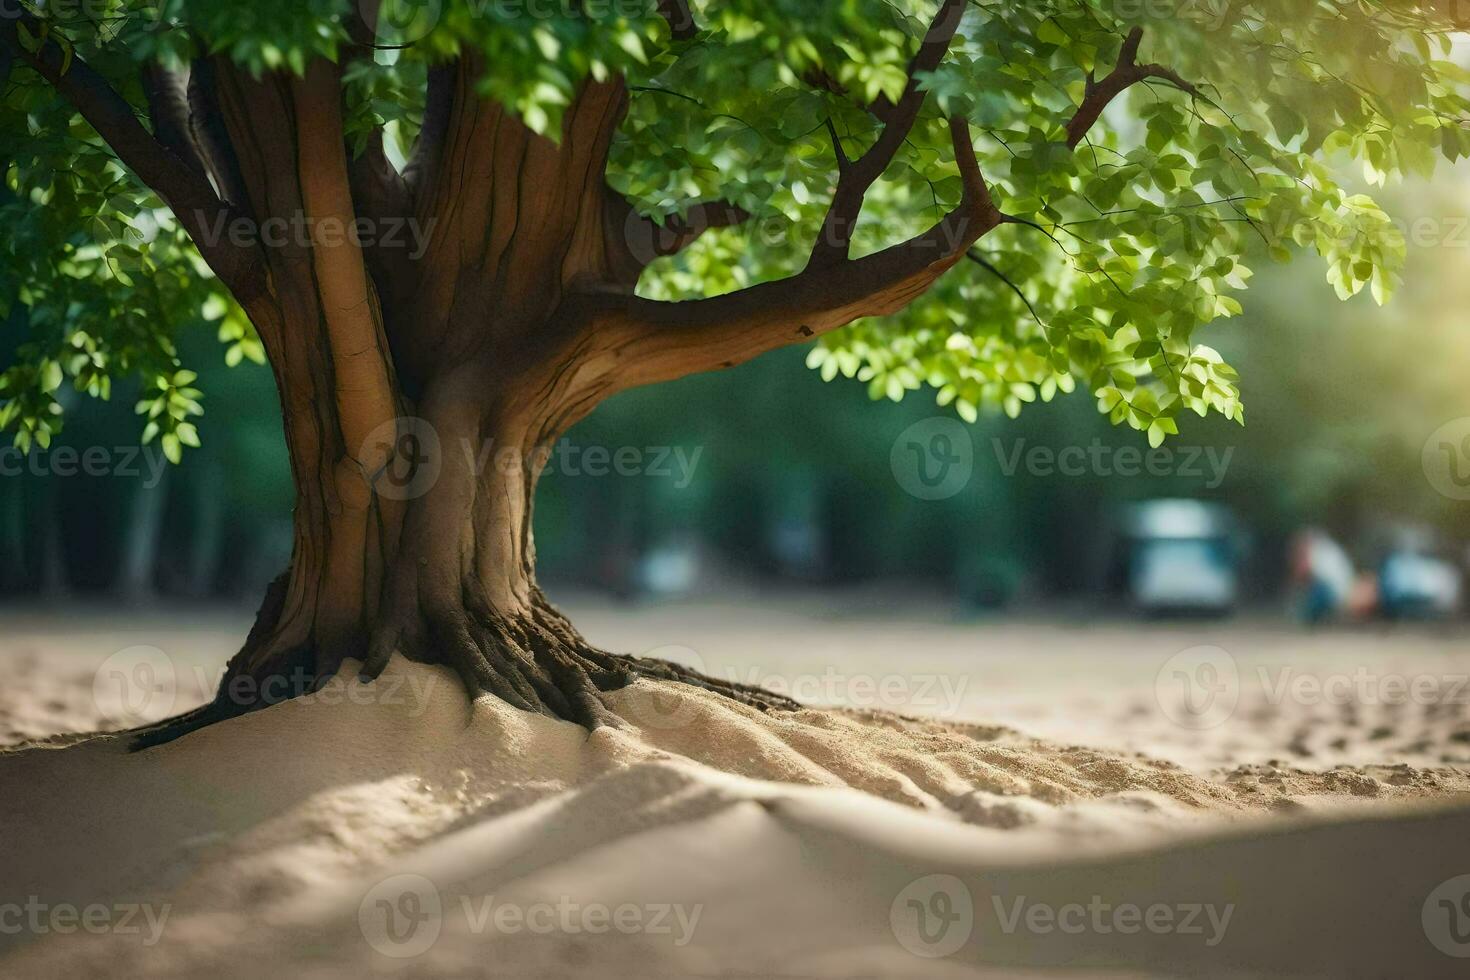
point(1106, 799)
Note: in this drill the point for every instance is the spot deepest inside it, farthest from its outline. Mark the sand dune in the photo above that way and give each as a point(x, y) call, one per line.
point(329, 836)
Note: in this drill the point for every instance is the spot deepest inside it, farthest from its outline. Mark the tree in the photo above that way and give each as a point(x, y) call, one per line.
point(454, 229)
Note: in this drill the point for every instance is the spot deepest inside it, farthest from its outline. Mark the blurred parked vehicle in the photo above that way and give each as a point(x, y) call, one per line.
point(1414, 582)
point(1181, 557)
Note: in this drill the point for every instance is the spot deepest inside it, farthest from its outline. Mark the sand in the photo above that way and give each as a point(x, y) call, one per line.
point(398, 829)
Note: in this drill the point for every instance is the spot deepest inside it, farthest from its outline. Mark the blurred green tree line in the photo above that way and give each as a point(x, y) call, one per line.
point(770, 472)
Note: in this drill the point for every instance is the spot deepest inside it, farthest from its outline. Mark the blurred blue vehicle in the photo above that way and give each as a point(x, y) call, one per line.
point(1181, 557)
point(1413, 583)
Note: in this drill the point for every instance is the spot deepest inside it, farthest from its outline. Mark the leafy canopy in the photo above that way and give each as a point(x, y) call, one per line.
point(1115, 251)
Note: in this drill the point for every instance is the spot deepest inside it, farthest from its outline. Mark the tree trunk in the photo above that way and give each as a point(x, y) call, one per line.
point(431, 557)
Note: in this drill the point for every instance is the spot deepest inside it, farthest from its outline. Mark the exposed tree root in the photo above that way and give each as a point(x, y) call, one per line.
point(536, 663)
point(541, 663)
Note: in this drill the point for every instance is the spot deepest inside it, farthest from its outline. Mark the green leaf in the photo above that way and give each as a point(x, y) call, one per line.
point(51, 376)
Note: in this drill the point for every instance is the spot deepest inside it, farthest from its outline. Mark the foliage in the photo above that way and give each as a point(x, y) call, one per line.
point(1114, 253)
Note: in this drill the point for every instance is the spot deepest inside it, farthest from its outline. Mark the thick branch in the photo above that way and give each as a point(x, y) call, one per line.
point(1127, 72)
point(854, 179)
point(653, 342)
point(186, 191)
point(168, 108)
point(640, 341)
point(365, 396)
point(211, 136)
point(644, 239)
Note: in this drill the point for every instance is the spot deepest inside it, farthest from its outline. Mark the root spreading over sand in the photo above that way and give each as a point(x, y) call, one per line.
point(336, 834)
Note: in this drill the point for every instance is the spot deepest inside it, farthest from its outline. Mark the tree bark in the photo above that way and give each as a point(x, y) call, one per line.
point(431, 558)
